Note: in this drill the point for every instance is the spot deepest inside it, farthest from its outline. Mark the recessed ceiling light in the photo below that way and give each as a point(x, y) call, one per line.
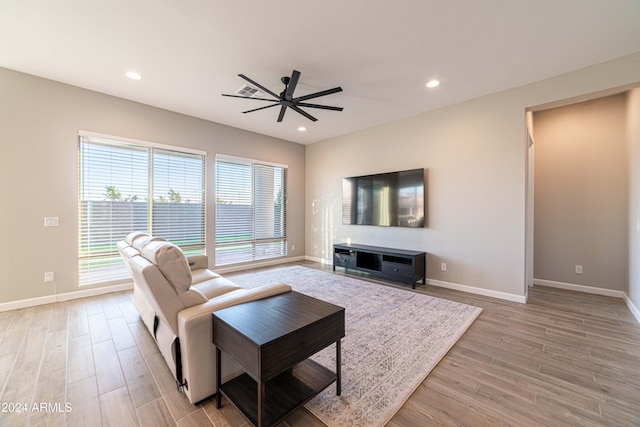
point(133, 75)
point(302, 129)
point(433, 83)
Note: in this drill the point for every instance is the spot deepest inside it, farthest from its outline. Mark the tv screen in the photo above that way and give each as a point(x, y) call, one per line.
point(394, 199)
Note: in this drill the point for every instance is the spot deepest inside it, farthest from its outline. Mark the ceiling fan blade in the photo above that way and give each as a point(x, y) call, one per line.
point(324, 107)
point(261, 108)
point(317, 94)
point(282, 111)
point(258, 85)
point(248, 97)
point(293, 82)
point(304, 113)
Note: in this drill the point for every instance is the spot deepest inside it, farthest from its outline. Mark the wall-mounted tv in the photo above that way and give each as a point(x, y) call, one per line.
point(394, 199)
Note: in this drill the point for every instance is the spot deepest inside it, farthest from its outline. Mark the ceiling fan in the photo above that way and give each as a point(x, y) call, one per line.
point(286, 99)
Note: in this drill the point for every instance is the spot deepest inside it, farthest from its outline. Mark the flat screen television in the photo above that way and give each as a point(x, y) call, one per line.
point(394, 199)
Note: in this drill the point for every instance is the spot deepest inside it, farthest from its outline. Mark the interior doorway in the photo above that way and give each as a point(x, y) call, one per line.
point(529, 215)
point(577, 195)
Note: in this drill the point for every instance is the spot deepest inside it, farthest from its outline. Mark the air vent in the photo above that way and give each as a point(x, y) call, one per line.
point(249, 92)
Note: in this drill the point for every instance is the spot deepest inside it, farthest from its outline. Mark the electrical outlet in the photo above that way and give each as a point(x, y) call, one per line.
point(51, 221)
point(293, 248)
point(48, 277)
point(443, 266)
point(578, 269)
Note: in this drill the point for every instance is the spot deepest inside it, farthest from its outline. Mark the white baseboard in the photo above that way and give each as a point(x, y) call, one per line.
point(32, 302)
point(580, 288)
point(318, 260)
point(632, 307)
point(478, 291)
point(24, 303)
point(592, 290)
point(454, 286)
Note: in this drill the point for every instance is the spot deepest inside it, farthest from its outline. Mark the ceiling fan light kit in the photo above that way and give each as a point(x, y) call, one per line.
point(286, 100)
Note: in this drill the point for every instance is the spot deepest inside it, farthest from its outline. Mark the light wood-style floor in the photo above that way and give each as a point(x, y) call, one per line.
point(565, 358)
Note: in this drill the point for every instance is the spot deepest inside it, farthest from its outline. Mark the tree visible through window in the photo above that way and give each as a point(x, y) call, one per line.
point(126, 187)
point(250, 210)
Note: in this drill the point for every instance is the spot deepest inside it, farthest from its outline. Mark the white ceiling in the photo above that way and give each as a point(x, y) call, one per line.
point(380, 52)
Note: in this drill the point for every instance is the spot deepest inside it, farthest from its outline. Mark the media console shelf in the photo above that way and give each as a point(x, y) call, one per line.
point(397, 265)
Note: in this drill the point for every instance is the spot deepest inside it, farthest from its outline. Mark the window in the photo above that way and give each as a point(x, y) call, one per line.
point(126, 186)
point(250, 210)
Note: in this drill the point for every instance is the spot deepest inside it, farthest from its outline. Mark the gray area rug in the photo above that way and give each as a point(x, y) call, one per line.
point(394, 338)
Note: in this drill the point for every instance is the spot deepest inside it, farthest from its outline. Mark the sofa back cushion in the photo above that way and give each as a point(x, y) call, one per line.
point(160, 295)
point(171, 262)
point(141, 241)
point(128, 252)
point(133, 236)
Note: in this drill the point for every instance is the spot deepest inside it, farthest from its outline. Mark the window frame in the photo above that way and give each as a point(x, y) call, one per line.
point(278, 240)
point(121, 274)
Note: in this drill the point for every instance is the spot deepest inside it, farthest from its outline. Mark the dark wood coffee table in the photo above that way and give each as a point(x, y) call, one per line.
point(272, 339)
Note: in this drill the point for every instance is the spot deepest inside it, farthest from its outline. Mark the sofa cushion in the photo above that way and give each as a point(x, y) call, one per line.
point(202, 275)
point(171, 262)
point(215, 287)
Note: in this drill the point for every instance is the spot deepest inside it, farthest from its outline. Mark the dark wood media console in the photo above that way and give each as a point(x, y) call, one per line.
point(396, 265)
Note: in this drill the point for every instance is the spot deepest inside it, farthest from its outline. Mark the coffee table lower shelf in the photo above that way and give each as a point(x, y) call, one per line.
point(283, 394)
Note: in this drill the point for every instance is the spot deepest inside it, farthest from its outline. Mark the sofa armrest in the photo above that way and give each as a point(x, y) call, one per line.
point(195, 313)
point(198, 262)
point(195, 328)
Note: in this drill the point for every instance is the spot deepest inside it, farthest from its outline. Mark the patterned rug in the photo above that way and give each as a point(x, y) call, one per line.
point(394, 338)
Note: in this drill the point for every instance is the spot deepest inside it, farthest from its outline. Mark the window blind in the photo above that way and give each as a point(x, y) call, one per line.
point(178, 199)
point(250, 211)
point(126, 187)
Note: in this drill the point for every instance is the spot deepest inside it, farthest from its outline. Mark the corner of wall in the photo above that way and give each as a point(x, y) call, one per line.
point(633, 140)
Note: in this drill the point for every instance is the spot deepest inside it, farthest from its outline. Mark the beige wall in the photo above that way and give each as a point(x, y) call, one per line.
point(633, 138)
point(39, 123)
point(475, 153)
point(581, 197)
point(471, 204)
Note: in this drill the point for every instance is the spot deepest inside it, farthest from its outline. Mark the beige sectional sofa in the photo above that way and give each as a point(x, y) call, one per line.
point(175, 296)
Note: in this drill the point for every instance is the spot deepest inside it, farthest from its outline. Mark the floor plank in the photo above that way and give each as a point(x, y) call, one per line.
point(117, 409)
point(83, 397)
point(564, 358)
